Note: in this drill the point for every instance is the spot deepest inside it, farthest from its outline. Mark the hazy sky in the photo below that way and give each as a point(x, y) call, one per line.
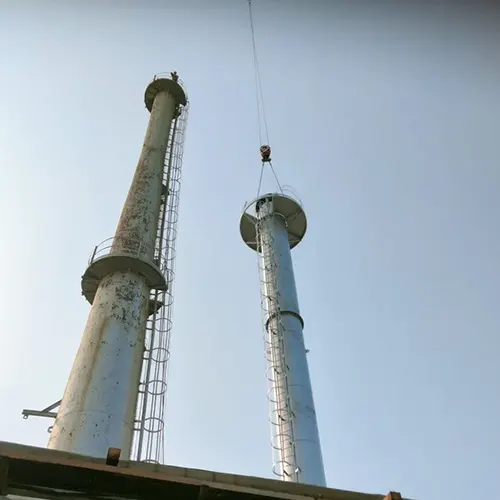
point(384, 119)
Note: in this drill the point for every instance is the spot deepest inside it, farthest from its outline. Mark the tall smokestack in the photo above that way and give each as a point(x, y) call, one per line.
point(272, 225)
point(127, 283)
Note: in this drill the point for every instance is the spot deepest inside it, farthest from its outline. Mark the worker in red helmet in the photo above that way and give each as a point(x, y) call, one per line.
point(265, 152)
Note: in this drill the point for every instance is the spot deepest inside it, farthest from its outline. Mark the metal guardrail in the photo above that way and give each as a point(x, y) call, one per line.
point(105, 249)
point(168, 75)
point(288, 192)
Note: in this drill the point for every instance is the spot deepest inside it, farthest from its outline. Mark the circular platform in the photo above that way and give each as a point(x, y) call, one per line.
point(287, 207)
point(104, 261)
point(163, 82)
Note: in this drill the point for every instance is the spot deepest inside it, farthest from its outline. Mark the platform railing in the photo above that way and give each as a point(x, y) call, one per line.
point(105, 249)
point(168, 75)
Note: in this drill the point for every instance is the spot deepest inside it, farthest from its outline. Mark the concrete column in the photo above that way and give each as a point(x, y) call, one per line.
point(99, 403)
point(138, 222)
point(98, 408)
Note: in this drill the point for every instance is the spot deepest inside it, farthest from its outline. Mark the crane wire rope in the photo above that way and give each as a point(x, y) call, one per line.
point(259, 98)
point(259, 95)
point(276, 177)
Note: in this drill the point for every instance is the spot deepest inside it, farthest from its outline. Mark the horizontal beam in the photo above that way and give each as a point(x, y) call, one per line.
point(37, 413)
point(46, 412)
point(37, 472)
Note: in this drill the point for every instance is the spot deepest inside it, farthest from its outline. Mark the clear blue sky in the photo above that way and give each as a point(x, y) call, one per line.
point(384, 119)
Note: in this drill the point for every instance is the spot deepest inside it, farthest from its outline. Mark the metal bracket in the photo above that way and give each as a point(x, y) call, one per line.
point(46, 412)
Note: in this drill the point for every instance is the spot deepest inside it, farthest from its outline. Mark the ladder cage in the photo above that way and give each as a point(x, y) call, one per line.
point(149, 430)
point(280, 410)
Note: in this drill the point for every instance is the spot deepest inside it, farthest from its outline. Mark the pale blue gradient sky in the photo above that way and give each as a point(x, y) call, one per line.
point(386, 120)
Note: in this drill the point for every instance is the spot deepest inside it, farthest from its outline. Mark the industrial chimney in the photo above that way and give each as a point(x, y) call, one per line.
point(272, 224)
point(116, 388)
